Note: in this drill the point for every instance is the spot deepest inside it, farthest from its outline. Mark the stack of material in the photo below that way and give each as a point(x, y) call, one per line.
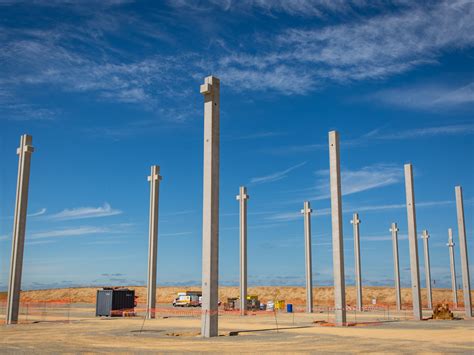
point(441, 311)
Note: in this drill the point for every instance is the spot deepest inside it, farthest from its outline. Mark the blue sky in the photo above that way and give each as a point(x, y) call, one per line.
point(109, 88)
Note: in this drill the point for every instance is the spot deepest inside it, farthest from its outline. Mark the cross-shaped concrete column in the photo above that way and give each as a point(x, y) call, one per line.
point(466, 283)
point(358, 273)
point(242, 197)
point(19, 228)
point(394, 230)
point(413, 243)
point(452, 267)
point(154, 180)
point(337, 233)
point(210, 211)
point(425, 236)
point(306, 211)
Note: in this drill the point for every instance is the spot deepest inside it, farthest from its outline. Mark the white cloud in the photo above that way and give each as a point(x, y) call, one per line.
point(79, 57)
point(290, 216)
point(85, 212)
point(303, 8)
point(279, 175)
point(176, 234)
point(449, 130)
point(353, 181)
point(427, 97)
point(38, 213)
point(299, 60)
point(70, 232)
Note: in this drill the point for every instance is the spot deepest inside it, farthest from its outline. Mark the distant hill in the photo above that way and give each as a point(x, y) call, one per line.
point(296, 295)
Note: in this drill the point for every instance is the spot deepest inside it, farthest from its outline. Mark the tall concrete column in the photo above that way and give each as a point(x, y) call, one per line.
point(19, 228)
point(429, 296)
point(358, 273)
point(210, 211)
point(337, 233)
point(396, 266)
point(466, 284)
point(413, 243)
point(242, 197)
point(452, 267)
point(154, 180)
point(306, 211)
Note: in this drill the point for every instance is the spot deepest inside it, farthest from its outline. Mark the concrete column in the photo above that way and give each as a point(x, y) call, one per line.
point(306, 211)
point(210, 211)
point(154, 180)
point(242, 197)
point(466, 285)
point(425, 236)
point(19, 228)
point(337, 233)
point(452, 267)
point(396, 267)
point(358, 273)
point(413, 243)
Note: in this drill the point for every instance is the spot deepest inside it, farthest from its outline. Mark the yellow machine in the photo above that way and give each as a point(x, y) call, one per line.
point(280, 304)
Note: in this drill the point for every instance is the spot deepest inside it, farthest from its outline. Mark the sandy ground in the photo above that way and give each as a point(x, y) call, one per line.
point(283, 332)
point(294, 295)
point(70, 325)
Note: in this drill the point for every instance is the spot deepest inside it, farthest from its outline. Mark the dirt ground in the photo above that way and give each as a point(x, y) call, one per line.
point(279, 332)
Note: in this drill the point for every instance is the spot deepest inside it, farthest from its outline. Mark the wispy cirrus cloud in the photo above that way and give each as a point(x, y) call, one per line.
point(303, 8)
point(38, 213)
point(70, 232)
point(369, 49)
point(85, 212)
point(257, 135)
point(448, 130)
point(290, 216)
point(427, 97)
point(354, 181)
point(82, 56)
point(380, 134)
point(278, 175)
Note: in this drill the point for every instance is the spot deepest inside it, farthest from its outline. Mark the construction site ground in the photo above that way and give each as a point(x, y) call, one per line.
point(75, 329)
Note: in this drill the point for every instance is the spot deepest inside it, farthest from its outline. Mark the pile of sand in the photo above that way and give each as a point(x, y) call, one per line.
point(441, 311)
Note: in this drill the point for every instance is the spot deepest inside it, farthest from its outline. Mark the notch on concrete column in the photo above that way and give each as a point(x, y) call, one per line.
point(358, 273)
point(19, 228)
point(425, 236)
point(466, 283)
point(452, 267)
point(306, 211)
point(337, 233)
point(210, 211)
point(413, 243)
point(396, 268)
point(242, 197)
point(154, 180)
